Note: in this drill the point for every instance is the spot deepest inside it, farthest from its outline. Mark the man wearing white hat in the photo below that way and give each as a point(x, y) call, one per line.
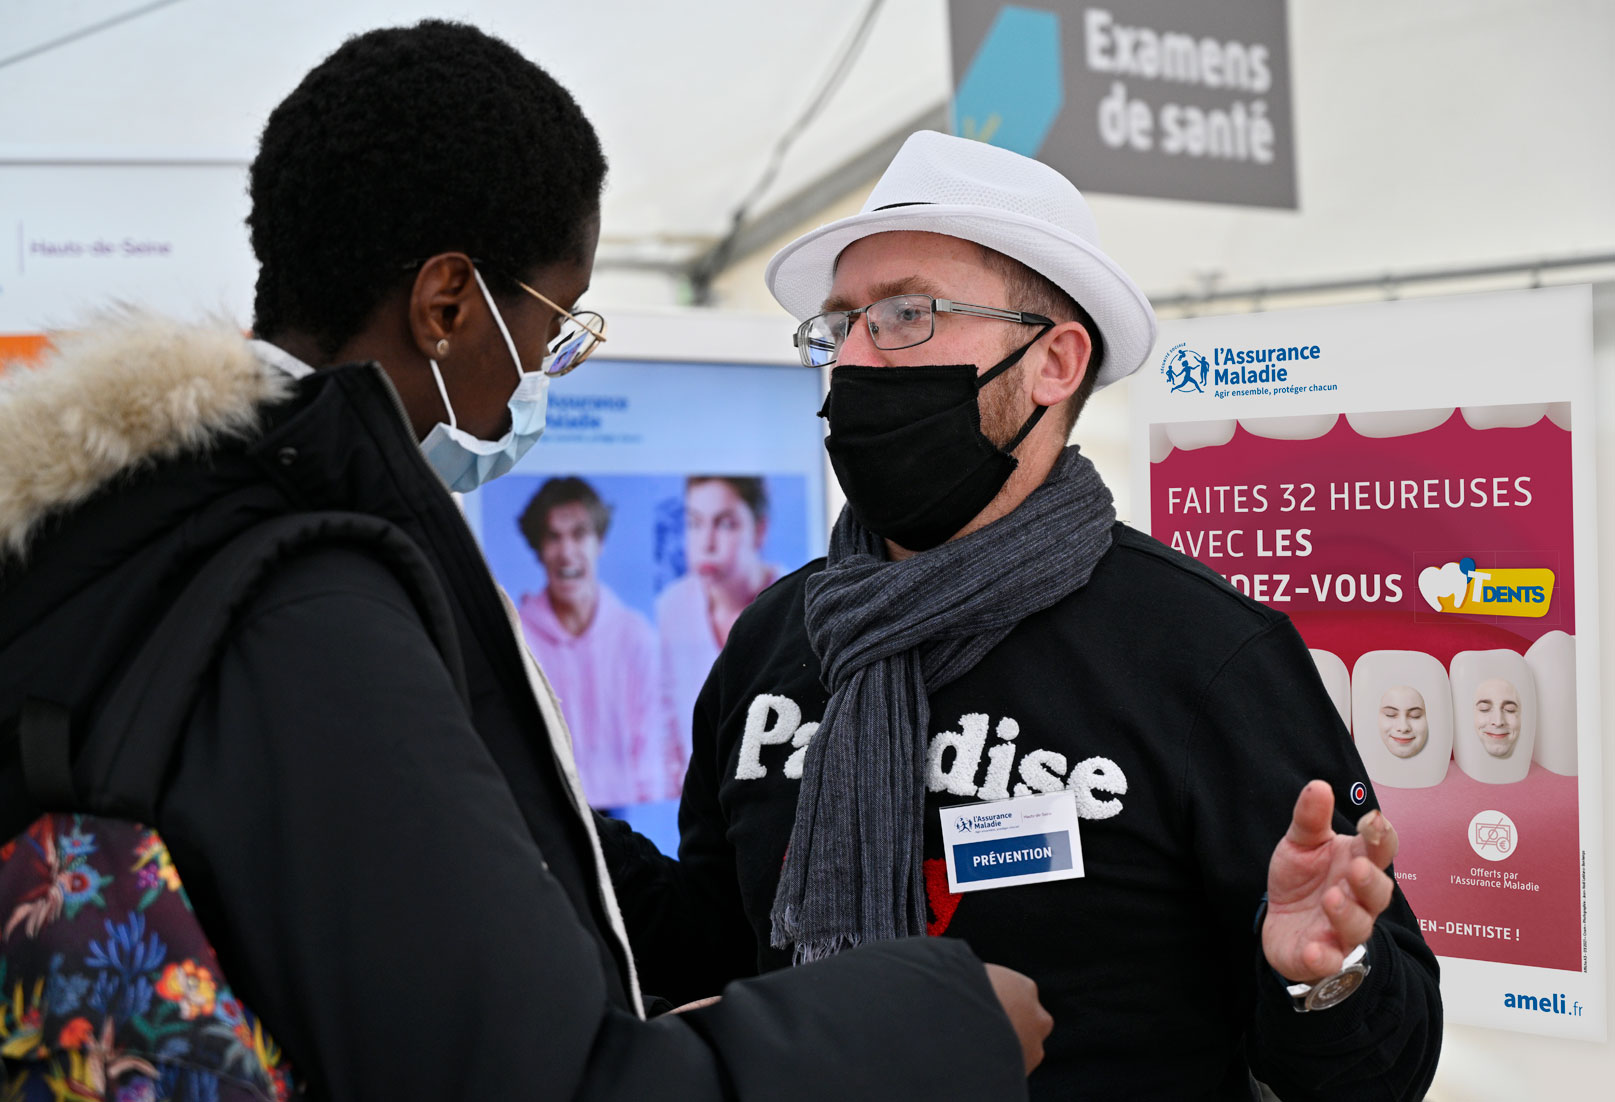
point(994, 713)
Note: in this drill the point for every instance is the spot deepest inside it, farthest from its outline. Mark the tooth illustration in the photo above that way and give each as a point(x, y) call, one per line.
point(1552, 659)
point(1160, 443)
point(1449, 581)
point(1494, 715)
point(1504, 417)
point(1337, 680)
point(1189, 435)
point(1559, 414)
point(1397, 422)
point(1307, 427)
point(1402, 718)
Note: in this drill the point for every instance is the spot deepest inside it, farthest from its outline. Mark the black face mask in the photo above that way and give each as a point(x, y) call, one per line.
point(907, 446)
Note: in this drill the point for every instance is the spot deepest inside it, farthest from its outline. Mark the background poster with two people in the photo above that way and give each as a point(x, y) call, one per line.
point(662, 498)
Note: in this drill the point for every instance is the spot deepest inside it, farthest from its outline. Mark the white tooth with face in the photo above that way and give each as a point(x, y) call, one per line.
point(1332, 671)
point(1504, 417)
point(1559, 414)
point(1397, 422)
point(1410, 749)
point(1160, 443)
point(1494, 711)
point(1189, 435)
point(1307, 427)
point(1552, 659)
point(1448, 580)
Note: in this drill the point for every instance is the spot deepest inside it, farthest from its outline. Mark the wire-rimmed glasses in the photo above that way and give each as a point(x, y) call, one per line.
point(581, 333)
point(901, 321)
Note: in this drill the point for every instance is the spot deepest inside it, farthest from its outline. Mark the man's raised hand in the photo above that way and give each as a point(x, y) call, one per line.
point(1324, 890)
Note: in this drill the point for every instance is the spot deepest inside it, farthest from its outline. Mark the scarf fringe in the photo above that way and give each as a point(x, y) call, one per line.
point(809, 951)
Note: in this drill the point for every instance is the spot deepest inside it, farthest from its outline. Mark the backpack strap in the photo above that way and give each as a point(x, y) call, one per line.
point(37, 740)
point(45, 753)
point(127, 759)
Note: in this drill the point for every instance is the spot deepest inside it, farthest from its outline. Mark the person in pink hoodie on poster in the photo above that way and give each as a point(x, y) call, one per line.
point(600, 654)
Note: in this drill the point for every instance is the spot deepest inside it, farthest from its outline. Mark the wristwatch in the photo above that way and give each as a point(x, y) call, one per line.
point(1331, 990)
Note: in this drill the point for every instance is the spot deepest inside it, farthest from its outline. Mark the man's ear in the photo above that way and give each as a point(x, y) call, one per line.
point(437, 301)
point(1068, 348)
point(761, 528)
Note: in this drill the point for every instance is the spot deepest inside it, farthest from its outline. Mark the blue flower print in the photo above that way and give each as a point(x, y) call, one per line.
point(75, 843)
point(81, 885)
point(127, 950)
point(65, 993)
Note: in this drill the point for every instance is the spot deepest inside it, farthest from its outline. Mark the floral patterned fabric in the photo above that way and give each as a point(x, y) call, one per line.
point(109, 990)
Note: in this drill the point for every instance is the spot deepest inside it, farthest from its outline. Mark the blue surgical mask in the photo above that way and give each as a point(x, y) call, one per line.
point(465, 462)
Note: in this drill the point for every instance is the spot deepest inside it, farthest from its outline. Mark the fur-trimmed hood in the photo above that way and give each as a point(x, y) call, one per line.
point(127, 390)
point(137, 454)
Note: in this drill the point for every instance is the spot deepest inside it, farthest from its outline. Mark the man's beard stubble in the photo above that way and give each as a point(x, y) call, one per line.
point(1000, 404)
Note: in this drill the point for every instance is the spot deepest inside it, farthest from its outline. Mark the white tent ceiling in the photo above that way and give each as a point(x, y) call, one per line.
point(1430, 136)
point(688, 99)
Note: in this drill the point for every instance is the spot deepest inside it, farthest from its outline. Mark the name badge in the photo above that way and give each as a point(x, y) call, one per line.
point(1006, 843)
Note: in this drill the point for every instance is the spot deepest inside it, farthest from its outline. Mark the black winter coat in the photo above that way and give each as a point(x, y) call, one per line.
point(405, 889)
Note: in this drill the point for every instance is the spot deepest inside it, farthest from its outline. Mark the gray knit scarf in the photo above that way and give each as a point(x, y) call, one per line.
point(887, 634)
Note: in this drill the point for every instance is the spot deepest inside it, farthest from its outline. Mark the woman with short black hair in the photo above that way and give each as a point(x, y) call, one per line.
point(371, 802)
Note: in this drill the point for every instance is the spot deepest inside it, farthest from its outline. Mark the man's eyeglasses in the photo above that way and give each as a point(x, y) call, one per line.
point(581, 334)
point(901, 321)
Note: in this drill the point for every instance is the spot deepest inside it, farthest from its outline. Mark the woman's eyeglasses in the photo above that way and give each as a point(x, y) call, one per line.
point(581, 333)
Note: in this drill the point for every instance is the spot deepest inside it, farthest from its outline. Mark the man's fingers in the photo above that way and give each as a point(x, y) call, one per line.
point(1309, 825)
point(1351, 921)
point(1379, 837)
point(1371, 886)
point(1018, 996)
point(1318, 959)
point(698, 1004)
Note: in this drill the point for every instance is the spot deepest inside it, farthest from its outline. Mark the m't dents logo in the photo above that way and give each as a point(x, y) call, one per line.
point(1241, 372)
point(1465, 588)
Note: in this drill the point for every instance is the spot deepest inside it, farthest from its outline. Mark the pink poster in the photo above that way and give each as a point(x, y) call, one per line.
point(1412, 484)
point(1457, 681)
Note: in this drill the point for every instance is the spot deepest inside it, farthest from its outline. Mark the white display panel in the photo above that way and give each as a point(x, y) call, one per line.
point(171, 238)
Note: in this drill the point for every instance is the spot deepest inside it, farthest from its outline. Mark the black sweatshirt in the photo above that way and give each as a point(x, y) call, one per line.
point(1187, 718)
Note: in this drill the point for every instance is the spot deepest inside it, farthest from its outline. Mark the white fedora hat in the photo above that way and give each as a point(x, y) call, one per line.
point(1012, 204)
